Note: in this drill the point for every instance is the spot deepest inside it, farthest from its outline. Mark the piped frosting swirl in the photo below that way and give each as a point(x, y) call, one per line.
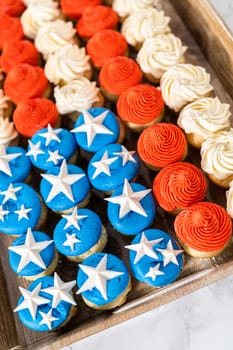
point(74, 9)
point(7, 131)
point(126, 8)
point(12, 7)
point(11, 29)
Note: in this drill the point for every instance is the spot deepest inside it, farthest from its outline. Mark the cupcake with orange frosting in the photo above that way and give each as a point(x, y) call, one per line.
point(12, 8)
point(6, 106)
point(179, 185)
point(74, 8)
point(104, 45)
point(140, 106)
point(117, 75)
point(162, 144)
point(25, 81)
point(11, 29)
point(204, 229)
point(95, 19)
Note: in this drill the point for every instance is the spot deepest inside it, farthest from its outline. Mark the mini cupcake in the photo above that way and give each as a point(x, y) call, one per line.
point(48, 147)
point(124, 8)
point(33, 255)
point(204, 229)
point(11, 29)
point(80, 234)
point(117, 75)
point(12, 8)
point(158, 54)
point(140, 106)
point(104, 45)
point(6, 105)
point(204, 117)
point(47, 304)
point(64, 187)
point(184, 83)
point(216, 158)
point(8, 134)
point(103, 281)
point(162, 144)
point(25, 81)
point(94, 19)
point(111, 165)
point(14, 165)
point(179, 185)
point(96, 128)
point(155, 258)
point(74, 9)
point(144, 24)
point(131, 208)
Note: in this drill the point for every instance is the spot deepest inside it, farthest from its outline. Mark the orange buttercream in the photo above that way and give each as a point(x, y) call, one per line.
point(179, 185)
point(11, 29)
point(74, 8)
point(24, 82)
point(95, 19)
point(162, 144)
point(104, 45)
point(204, 226)
point(140, 104)
point(18, 51)
point(12, 7)
point(33, 115)
point(118, 74)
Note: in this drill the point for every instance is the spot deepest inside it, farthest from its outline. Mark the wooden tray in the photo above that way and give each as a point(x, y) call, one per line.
point(211, 46)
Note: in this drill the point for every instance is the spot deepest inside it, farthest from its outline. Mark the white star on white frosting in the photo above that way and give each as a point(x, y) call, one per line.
point(50, 135)
point(144, 247)
point(32, 300)
point(73, 219)
point(129, 200)
point(5, 159)
point(22, 212)
point(30, 251)
point(102, 166)
point(3, 213)
point(54, 157)
point(154, 272)
point(47, 318)
point(71, 239)
point(93, 126)
point(98, 277)
point(60, 291)
point(34, 150)
point(127, 156)
point(170, 254)
point(61, 183)
point(10, 193)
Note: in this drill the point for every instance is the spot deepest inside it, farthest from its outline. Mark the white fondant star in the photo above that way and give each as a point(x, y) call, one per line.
point(154, 272)
point(30, 251)
point(22, 212)
point(144, 247)
point(10, 193)
point(129, 200)
point(170, 254)
point(32, 300)
point(50, 135)
point(34, 150)
point(54, 157)
point(71, 239)
point(102, 166)
point(98, 277)
point(47, 318)
point(60, 291)
point(93, 126)
point(5, 159)
point(73, 219)
point(3, 213)
point(127, 156)
point(61, 183)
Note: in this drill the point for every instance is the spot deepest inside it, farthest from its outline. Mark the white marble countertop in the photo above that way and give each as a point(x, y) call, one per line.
point(201, 320)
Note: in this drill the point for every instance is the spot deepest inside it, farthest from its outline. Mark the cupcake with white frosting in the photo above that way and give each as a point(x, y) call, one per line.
point(229, 199)
point(8, 134)
point(6, 106)
point(124, 8)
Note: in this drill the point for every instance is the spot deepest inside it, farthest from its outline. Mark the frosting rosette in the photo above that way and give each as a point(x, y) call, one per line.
point(33, 115)
point(140, 104)
point(126, 8)
point(74, 8)
point(12, 7)
point(7, 131)
point(77, 95)
point(179, 185)
point(184, 83)
point(162, 144)
point(144, 24)
point(25, 81)
point(69, 63)
point(104, 45)
point(158, 54)
point(18, 51)
point(11, 28)
point(118, 74)
point(95, 19)
point(204, 227)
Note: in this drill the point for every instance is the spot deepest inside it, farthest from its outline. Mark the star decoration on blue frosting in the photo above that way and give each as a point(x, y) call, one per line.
point(47, 318)
point(102, 166)
point(34, 149)
point(54, 157)
point(73, 219)
point(154, 272)
point(10, 193)
point(3, 213)
point(23, 212)
point(169, 254)
point(50, 135)
point(127, 156)
point(5, 160)
point(70, 241)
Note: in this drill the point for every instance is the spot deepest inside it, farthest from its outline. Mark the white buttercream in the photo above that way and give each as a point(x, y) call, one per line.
point(7, 131)
point(125, 8)
point(229, 198)
point(4, 100)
